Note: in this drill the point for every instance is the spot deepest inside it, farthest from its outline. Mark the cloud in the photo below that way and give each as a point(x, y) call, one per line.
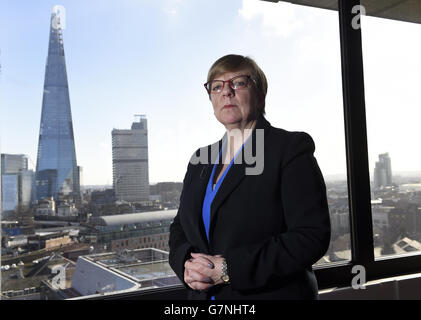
point(279, 19)
point(172, 7)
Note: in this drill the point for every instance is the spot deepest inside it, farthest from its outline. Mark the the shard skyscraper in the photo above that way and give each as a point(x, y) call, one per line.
point(57, 173)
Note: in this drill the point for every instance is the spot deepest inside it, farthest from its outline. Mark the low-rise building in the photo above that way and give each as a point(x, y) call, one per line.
point(46, 207)
point(110, 273)
point(129, 231)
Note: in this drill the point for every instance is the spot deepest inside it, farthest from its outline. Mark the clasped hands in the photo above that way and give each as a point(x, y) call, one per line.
point(203, 271)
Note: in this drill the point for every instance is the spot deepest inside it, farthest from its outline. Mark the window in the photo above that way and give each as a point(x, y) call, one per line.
point(124, 66)
point(391, 72)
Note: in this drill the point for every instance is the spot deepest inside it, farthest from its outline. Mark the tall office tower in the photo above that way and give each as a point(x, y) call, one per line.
point(16, 181)
point(9, 192)
point(56, 171)
point(383, 171)
point(13, 163)
point(130, 162)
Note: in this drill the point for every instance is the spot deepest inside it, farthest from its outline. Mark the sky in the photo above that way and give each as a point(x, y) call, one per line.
point(130, 57)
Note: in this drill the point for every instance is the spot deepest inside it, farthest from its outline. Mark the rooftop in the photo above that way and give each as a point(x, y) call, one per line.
point(108, 273)
point(132, 218)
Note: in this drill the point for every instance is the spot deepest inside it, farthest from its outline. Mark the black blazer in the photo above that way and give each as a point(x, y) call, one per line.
point(271, 228)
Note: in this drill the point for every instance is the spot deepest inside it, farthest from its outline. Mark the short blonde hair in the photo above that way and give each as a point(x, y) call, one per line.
point(234, 62)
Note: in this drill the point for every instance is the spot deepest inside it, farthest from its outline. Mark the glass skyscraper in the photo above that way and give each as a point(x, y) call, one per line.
point(130, 162)
point(57, 173)
point(383, 171)
point(16, 181)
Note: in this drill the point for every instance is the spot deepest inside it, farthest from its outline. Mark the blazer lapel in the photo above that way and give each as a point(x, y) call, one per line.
point(199, 192)
point(237, 171)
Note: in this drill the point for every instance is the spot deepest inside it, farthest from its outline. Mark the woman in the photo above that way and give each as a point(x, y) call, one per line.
point(254, 235)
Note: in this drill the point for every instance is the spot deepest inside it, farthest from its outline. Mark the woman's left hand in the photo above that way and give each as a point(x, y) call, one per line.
point(214, 273)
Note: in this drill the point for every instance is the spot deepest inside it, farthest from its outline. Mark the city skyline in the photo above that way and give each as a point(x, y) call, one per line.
point(118, 57)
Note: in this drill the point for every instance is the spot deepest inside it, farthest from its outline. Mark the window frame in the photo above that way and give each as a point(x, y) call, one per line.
point(359, 197)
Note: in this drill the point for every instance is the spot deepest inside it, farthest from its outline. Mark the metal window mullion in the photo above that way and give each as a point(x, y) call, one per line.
point(356, 136)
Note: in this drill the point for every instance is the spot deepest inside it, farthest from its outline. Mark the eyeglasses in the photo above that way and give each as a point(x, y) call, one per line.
point(236, 83)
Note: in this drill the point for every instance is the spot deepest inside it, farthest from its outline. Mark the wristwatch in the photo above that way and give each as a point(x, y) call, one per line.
point(224, 276)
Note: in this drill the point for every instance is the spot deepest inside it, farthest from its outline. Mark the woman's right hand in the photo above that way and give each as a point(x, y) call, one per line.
point(195, 270)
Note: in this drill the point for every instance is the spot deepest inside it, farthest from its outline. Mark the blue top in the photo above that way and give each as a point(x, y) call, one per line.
point(211, 192)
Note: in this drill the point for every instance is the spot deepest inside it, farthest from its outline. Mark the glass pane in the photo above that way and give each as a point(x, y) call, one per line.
point(121, 102)
point(391, 51)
